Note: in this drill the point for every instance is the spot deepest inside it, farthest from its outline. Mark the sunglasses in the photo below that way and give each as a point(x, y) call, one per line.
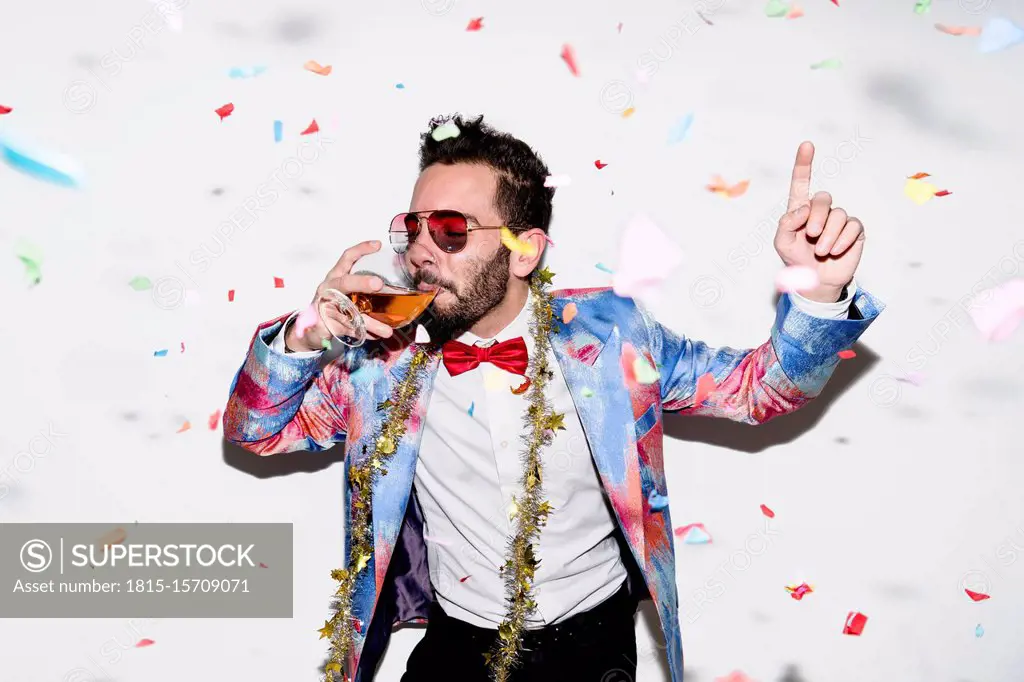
point(448, 228)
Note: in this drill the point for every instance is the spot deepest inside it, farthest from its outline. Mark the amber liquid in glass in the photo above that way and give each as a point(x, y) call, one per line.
point(393, 306)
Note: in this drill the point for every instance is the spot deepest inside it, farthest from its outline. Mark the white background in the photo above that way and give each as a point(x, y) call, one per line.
point(889, 497)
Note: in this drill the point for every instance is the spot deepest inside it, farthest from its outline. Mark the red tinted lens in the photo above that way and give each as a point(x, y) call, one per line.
point(449, 230)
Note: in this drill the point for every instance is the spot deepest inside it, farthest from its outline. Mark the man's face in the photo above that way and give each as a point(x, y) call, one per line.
point(474, 280)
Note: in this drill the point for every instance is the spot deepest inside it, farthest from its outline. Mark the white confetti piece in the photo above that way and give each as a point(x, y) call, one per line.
point(557, 181)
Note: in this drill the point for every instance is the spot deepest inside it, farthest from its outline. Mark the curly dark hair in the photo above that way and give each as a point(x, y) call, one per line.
point(521, 197)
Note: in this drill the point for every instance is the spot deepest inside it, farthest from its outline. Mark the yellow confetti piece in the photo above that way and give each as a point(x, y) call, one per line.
point(494, 380)
point(628, 112)
point(517, 245)
point(919, 191)
point(513, 509)
point(568, 313)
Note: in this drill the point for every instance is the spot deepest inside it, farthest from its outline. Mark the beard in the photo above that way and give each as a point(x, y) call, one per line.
point(484, 289)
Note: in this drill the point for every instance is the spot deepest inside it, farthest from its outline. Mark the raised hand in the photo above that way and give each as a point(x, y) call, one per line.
point(816, 235)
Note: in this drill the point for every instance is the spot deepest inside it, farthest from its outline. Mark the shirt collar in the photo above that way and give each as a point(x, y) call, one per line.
point(520, 326)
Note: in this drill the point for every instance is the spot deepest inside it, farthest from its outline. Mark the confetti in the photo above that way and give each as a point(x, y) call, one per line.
point(214, 420)
point(775, 9)
point(976, 596)
point(145, 642)
point(835, 2)
point(833, 63)
point(656, 501)
point(521, 389)
point(306, 319)
point(599, 165)
point(557, 181)
point(767, 512)
point(263, 565)
point(587, 392)
point(734, 676)
point(31, 257)
point(140, 283)
point(915, 378)
point(604, 268)
point(723, 189)
point(114, 537)
point(919, 191)
point(445, 131)
point(704, 18)
point(569, 312)
point(644, 373)
point(619, 29)
point(846, 354)
point(516, 245)
point(311, 128)
point(694, 534)
point(999, 317)
point(959, 30)
point(918, 176)
point(628, 112)
point(184, 427)
point(182, 346)
point(922, 6)
point(39, 163)
point(231, 295)
point(278, 131)
point(681, 129)
point(796, 278)
point(160, 353)
point(795, 12)
point(979, 631)
point(569, 57)
point(798, 591)
point(475, 24)
point(422, 335)
point(943, 193)
point(648, 257)
point(462, 580)
point(513, 509)
point(325, 344)
point(705, 385)
point(246, 72)
point(399, 86)
point(855, 623)
point(317, 68)
point(5, 110)
point(472, 405)
point(999, 34)
point(278, 283)
point(225, 110)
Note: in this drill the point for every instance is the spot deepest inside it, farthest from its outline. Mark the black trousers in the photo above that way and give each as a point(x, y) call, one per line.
point(598, 645)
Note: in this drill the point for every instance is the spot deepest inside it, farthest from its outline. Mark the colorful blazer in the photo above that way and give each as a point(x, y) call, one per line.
point(279, 403)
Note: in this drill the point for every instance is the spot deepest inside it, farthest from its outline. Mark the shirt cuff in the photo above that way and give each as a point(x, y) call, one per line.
point(278, 346)
point(840, 310)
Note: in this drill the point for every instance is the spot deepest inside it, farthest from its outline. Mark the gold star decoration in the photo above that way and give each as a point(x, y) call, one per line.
point(327, 630)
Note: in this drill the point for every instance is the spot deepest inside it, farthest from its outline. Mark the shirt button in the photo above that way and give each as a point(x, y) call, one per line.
point(504, 443)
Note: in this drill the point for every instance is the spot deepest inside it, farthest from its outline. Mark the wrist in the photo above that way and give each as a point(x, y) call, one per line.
point(825, 294)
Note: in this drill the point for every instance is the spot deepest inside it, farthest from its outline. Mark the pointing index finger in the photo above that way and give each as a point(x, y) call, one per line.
point(800, 185)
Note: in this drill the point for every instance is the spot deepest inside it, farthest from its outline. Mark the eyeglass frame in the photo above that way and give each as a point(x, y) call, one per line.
point(469, 228)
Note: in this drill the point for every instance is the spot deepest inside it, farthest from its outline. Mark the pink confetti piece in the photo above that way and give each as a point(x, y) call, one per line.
point(144, 642)
point(214, 420)
point(278, 283)
point(182, 346)
point(796, 278)
point(231, 295)
point(798, 591)
point(705, 385)
point(549, 241)
point(569, 57)
point(475, 24)
point(846, 354)
point(683, 531)
point(734, 676)
point(306, 319)
point(648, 257)
point(263, 565)
point(767, 511)
point(998, 317)
point(311, 128)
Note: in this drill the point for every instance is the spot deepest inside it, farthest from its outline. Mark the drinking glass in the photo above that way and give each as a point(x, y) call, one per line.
point(395, 305)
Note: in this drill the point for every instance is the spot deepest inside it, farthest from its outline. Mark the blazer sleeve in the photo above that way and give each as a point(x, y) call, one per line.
point(755, 385)
point(280, 403)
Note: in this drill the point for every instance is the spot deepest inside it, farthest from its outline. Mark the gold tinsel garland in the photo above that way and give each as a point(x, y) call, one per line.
point(529, 509)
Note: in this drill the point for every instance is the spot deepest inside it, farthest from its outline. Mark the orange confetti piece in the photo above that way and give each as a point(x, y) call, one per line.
point(522, 388)
point(628, 112)
point(311, 128)
point(705, 385)
point(569, 57)
point(225, 110)
point(847, 354)
point(475, 24)
point(184, 427)
point(720, 187)
point(918, 176)
point(114, 537)
point(959, 30)
point(278, 283)
point(317, 68)
point(231, 295)
point(795, 12)
point(214, 420)
point(767, 511)
point(145, 642)
point(569, 312)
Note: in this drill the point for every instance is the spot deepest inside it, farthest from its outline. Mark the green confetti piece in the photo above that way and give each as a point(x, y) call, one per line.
point(833, 63)
point(922, 6)
point(587, 393)
point(140, 283)
point(32, 256)
point(776, 9)
point(326, 344)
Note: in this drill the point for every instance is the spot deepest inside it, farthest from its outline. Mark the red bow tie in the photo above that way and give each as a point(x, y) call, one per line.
point(508, 355)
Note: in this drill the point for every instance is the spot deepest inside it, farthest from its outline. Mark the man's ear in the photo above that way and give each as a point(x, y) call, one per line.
point(525, 261)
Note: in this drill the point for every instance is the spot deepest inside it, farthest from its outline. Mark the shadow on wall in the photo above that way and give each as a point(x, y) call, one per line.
point(282, 464)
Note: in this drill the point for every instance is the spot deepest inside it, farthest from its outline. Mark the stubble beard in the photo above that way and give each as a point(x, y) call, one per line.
point(477, 297)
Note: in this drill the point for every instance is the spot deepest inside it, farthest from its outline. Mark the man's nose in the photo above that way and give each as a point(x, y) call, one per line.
point(420, 251)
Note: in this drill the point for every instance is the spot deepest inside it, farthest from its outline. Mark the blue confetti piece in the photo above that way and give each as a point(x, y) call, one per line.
point(999, 34)
point(681, 129)
point(696, 536)
point(604, 268)
point(657, 502)
point(472, 406)
point(278, 130)
point(159, 353)
point(979, 631)
point(41, 164)
point(246, 72)
point(399, 86)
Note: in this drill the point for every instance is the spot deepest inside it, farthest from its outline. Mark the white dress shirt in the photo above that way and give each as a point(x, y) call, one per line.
point(469, 469)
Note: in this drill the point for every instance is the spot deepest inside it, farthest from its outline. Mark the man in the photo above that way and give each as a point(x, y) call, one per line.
point(444, 512)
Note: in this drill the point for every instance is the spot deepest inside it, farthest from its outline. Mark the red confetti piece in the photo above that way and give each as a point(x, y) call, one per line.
point(847, 354)
point(225, 110)
point(705, 385)
point(214, 420)
point(184, 427)
point(918, 176)
point(599, 164)
point(263, 565)
point(358, 624)
point(231, 295)
point(522, 389)
point(943, 193)
point(475, 24)
point(569, 57)
point(278, 283)
point(312, 128)
point(855, 623)
point(798, 591)
point(976, 596)
point(5, 110)
point(835, 2)
point(462, 580)
point(145, 642)
point(959, 30)
point(767, 512)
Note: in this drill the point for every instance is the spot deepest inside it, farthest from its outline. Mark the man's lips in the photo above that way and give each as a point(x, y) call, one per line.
point(423, 286)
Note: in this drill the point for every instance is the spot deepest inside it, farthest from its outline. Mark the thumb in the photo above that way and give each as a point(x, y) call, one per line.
point(795, 219)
